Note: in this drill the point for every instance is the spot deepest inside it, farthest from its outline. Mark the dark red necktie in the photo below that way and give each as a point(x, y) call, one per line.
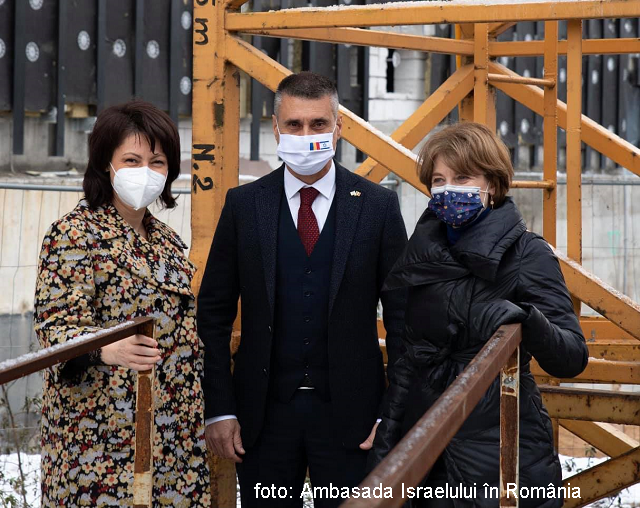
point(307, 223)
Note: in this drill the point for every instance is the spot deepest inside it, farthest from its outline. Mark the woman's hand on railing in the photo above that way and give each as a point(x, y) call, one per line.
point(137, 352)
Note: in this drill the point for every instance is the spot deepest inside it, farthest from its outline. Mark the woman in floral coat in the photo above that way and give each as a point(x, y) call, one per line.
point(107, 262)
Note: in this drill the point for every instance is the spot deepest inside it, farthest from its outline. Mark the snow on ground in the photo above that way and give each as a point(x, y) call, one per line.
point(9, 475)
point(10, 492)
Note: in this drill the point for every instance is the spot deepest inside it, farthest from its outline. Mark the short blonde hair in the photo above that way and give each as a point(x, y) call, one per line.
point(468, 148)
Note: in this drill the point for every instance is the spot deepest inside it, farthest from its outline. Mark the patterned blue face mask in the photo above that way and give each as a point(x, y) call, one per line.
point(456, 205)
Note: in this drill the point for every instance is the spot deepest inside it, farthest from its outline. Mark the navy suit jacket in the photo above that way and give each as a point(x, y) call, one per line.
point(370, 236)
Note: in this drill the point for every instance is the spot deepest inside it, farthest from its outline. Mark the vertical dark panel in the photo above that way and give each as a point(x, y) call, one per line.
point(309, 49)
point(261, 97)
point(320, 56)
point(61, 67)
point(19, 77)
point(538, 119)
point(175, 55)
point(350, 80)
point(271, 47)
point(101, 57)
point(41, 29)
point(6, 54)
point(439, 62)
point(629, 103)
point(80, 42)
point(184, 98)
point(391, 72)
point(139, 51)
point(284, 42)
point(256, 98)
point(120, 52)
point(343, 83)
point(256, 117)
point(442, 66)
point(610, 92)
point(525, 122)
point(156, 52)
point(453, 116)
point(585, 68)
point(363, 77)
point(593, 86)
point(505, 105)
point(585, 90)
point(562, 94)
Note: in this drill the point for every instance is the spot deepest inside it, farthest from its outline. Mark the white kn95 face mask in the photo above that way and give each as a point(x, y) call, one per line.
point(138, 187)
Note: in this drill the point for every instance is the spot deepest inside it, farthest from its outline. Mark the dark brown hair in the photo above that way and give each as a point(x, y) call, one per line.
point(468, 148)
point(112, 127)
point(306, 85)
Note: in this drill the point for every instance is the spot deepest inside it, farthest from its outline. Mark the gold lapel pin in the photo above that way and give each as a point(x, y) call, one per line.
point(356, 193)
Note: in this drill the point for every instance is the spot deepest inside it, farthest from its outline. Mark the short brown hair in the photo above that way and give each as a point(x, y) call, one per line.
point(468, 148)
point(307, 85)
point(112, 127)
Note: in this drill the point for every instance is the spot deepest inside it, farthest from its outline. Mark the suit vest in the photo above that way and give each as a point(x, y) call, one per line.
point(300, 349)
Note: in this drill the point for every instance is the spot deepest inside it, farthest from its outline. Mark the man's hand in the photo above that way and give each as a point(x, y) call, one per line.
point(367, 444)
point(223, 439)
point(137, 352)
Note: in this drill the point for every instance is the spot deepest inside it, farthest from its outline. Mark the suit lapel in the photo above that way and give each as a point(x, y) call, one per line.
point(348, 201)
point(268, 199)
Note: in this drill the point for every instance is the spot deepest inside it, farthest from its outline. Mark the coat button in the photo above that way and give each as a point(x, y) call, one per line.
point(166, 450)
point(307, 294)
point(306, 365)
point(306, 341)
point(308, 271)
point(197, 451)
point(270, 330)
point(158, 303)
point(265, 372)
point(307, 319)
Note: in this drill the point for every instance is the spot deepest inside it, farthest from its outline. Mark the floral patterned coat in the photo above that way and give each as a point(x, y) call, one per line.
point(95, 271)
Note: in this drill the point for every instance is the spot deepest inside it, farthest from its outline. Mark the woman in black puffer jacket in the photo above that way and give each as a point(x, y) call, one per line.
point(470, 267)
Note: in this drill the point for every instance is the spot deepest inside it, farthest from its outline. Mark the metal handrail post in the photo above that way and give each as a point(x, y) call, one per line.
point(510, 431)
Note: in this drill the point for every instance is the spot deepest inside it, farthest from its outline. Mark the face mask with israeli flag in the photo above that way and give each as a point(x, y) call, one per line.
point(306, 155)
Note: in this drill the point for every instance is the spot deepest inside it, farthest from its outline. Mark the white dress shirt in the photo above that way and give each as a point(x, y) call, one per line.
point(326, 187)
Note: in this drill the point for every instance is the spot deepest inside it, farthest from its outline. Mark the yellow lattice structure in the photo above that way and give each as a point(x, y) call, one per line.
point(220, 54)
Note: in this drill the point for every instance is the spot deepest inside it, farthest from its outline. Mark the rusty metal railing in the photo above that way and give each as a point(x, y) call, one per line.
point(48, 357)
point(416, 453)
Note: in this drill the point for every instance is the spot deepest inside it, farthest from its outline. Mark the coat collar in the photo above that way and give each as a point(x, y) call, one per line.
point(428, 258)
point(481, 249)
point(107, 223)
point(160, 260)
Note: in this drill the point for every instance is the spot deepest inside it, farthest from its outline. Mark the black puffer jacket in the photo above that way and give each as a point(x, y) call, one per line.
point(496, 273)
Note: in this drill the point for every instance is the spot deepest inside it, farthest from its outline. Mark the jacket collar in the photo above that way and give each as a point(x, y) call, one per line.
point(428, 258)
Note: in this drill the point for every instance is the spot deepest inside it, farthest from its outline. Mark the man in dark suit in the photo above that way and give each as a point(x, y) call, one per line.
point(307, 249)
